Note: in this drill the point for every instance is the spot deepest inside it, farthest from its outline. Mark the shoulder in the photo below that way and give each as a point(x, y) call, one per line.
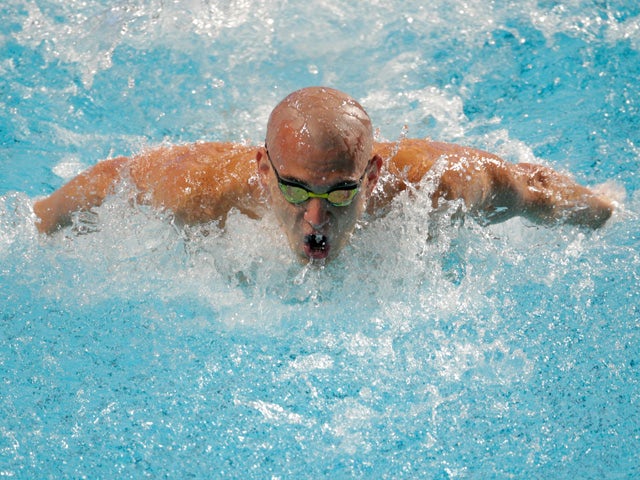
point(411, 158)
point(193, 163)
point(220, 154)
point(462, 172)
point(198, 181)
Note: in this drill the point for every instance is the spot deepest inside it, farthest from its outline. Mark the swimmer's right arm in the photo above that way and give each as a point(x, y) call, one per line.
point(87, 190)
point(196, 182)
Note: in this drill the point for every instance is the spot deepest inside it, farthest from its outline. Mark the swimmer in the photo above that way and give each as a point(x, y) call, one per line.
point(317, 171)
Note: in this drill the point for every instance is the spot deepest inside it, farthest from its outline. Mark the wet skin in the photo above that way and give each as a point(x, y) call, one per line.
point(321, 138)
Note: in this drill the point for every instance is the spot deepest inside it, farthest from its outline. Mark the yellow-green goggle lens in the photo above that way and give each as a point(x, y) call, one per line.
point(338, 198)
point(341, 198)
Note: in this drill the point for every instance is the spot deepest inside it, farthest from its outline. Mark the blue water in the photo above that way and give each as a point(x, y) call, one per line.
point(131, 349)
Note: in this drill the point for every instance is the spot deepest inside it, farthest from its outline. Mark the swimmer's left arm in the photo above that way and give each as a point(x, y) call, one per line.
point(496, 190)
point(547, 196)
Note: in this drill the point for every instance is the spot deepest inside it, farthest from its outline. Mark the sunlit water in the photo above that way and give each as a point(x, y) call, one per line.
point(130, 348)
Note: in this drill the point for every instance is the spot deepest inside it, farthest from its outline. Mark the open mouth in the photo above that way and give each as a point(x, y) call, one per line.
point(316, 246)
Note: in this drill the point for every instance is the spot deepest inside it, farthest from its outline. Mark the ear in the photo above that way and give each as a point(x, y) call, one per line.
point(374, 168)
point(262, 165)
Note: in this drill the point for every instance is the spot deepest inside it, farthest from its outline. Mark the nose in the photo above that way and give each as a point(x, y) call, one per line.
point(316, 213)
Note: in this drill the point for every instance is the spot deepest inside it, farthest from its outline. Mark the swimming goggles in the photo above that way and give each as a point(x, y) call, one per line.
point(296, 193)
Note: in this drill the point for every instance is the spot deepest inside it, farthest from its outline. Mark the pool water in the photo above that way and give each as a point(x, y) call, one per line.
point(130, 348)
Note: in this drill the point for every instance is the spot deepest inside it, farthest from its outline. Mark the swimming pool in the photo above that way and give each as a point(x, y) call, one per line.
point(131, 349)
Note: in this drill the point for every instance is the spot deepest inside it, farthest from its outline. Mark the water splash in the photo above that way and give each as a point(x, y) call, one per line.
point(129, 345)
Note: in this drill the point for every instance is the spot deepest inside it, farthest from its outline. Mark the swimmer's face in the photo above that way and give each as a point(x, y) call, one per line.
point(318, 140)
point(315, 228)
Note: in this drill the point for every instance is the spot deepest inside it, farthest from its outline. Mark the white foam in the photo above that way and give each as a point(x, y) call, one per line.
point(69, 168)
point(577, 19)
point(247, 266)
point(429, 103)
point(426, 328)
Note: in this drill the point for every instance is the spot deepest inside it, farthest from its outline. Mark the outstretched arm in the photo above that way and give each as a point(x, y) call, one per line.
point(87, 190)
point(196, 182)
point(495, 190)
point(546, 196)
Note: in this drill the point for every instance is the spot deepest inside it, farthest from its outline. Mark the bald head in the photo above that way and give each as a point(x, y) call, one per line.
point(321, 118)
point(319, 145)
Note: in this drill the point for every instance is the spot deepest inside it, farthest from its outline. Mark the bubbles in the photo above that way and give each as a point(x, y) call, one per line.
point(17, 230)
